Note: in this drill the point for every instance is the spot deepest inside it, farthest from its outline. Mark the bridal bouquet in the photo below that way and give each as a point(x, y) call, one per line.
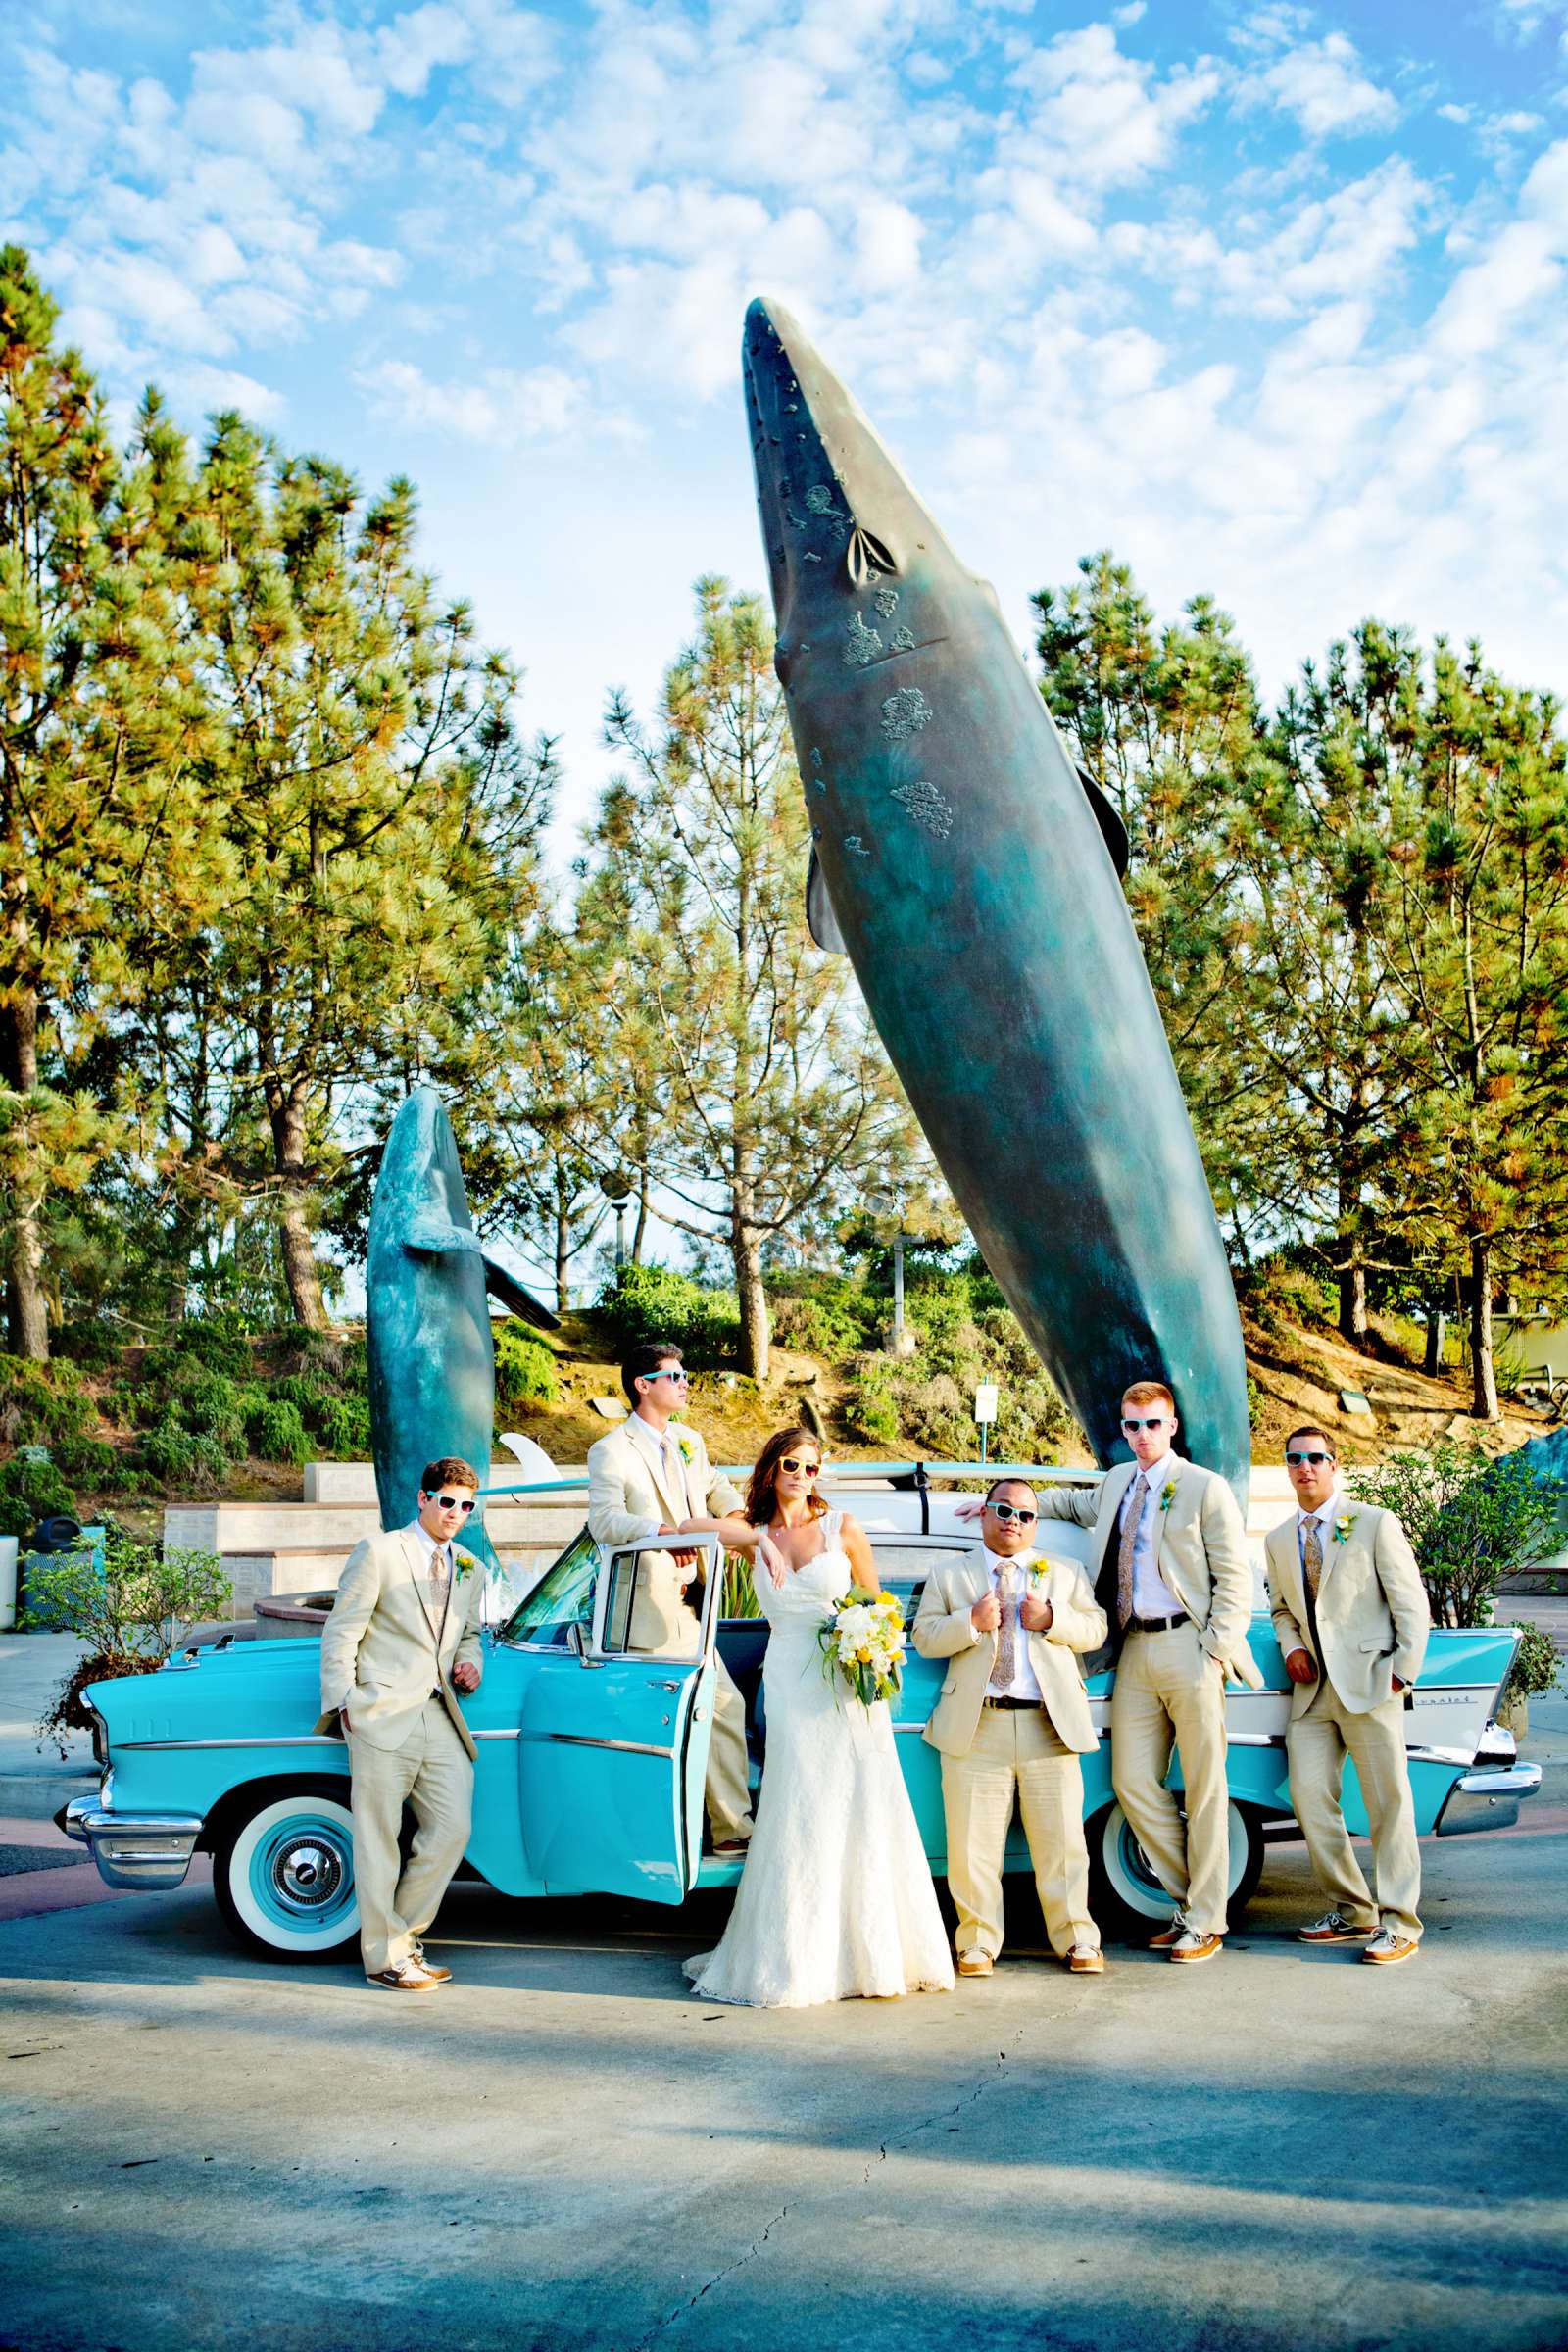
point(863, 1642)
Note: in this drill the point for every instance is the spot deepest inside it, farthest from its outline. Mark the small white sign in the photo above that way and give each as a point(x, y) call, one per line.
point(985, 1402)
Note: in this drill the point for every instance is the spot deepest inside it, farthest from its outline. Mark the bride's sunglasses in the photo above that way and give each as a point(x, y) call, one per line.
point(793, 1464)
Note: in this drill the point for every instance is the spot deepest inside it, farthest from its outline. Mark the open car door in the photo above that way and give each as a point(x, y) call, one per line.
point(614, 1732)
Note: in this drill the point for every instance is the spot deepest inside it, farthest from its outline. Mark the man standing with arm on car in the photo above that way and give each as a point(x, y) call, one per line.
point(1352, 1618)
point(1174, 1580)
point(645, 1480)
point(402, 1639)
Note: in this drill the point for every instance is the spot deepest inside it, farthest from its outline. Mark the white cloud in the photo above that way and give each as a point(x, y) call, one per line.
point(500, 409)
point(1321, 85)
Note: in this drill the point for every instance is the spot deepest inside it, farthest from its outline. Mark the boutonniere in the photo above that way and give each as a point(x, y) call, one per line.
point(461, 1564)
point(1343, 1526)
point(1167, 1494)
point(688, 1451)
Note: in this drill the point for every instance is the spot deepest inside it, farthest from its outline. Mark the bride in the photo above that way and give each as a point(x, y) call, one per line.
point(836, 1899)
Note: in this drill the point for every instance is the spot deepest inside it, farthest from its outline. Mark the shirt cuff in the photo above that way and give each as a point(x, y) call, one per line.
point(647, 1528)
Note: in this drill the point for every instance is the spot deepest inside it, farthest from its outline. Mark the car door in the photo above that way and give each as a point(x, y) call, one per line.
point(613, 1737)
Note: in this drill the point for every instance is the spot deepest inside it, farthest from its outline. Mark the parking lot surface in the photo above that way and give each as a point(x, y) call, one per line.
point(563, 2148)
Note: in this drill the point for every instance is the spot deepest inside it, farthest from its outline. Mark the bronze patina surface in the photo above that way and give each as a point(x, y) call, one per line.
point(973, 889)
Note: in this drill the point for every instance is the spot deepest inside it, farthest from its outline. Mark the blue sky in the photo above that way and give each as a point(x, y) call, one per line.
point(1268, 298)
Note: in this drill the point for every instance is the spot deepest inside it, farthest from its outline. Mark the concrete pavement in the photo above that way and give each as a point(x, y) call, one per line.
point(563, 2149)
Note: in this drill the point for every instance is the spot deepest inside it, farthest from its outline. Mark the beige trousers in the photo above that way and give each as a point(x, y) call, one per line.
point(430, 1772)
point(1170, 1693)
point(1016, 1753)
point(1316, 1744)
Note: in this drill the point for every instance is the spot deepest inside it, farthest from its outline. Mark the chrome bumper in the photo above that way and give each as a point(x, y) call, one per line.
point(1488, 1798)
point(133, 1849)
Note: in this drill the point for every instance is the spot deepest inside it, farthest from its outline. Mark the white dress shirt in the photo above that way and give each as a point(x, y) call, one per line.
point(1152, 1596)
point(654, 1447)
point(1025, 1683)
point(438, 1561)
point(1324, 1515)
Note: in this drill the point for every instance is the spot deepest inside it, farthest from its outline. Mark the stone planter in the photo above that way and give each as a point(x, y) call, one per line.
point(1514, 1715)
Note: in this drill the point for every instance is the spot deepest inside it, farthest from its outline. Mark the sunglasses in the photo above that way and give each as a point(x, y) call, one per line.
point(1010, 1510)
point(793, 1463)
point(1297, 1459)
point(1152, 1421)
point(682, 1379)
point(450, 1502)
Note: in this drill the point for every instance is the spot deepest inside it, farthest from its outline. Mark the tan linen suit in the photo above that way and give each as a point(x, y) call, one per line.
point(388, 1659)
point(625, 1493)
point(1373, 1619)
point(991, 1754)
point(1170, 1688)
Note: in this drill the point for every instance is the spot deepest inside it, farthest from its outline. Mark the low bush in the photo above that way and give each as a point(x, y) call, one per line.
point(278, 1433)
point(1537, 1666)
point(525, 1369)
point(1471, 1521)
point(833, 1319)
point(30, 1491)
point(41, 1403)
point(184, 1457)
point(343, 1426)
point(89, 1462)
point(93, 1344)
point(132, 1614)
point(655, 1302)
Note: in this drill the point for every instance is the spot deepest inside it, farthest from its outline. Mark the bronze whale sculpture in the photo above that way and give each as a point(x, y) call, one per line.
point(971, 880)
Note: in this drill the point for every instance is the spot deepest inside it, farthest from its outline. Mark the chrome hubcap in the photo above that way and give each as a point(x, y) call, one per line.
point(307, 1873)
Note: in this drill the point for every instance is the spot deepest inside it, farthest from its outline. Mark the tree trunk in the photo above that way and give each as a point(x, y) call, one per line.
point(1432, 1362)
point(300, 1270)
point(639, 1231)
point(756, 1335)
point(1484, 1373)
point(562, 1257)
point(27, 1301)
point(1352, 1301)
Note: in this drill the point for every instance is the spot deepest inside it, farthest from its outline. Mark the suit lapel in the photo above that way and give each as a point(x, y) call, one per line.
point(654, 1464)
point(414, 1553)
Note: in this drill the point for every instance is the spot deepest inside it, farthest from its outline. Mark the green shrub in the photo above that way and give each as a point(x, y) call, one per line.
point(343, 1426)
point(655, 1302)
point(210, 1407)
point(118, 1403)
point(1537, 1666)
point(41, 1403)
point(308, 1391)
point(220, 1346)
point(93, 1344)
point(833, 1319)
point(278, 1433)
point(30, 1491)
point(871, 1403)
point(525, 1369)
point(183, 1457)
point(132, 1614)
point(1471, 1521)
point(89, 1462)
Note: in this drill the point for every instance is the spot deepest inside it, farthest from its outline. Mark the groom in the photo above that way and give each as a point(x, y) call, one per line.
point(1012, 1722)
point(645, 1480)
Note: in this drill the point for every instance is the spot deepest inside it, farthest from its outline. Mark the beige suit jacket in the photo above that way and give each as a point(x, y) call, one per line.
point(1373, 1616)
point(382, 1654)
point(1201, 1546)
point(624, 1493)
point(944, 1629)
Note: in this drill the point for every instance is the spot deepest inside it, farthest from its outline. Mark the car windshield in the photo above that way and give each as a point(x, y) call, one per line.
point(562, 1596)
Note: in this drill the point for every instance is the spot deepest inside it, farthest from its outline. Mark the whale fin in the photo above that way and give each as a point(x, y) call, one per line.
point(1108, 820)
point(820, 919)
point(429, 1232)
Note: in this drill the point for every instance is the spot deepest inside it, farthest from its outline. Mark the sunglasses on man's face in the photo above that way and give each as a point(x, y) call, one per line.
point(680, 1378)
point(793, 1463)
point(1010, 1510)
point(1151, 1421)
point(450, 1502)
point(1296, 1460)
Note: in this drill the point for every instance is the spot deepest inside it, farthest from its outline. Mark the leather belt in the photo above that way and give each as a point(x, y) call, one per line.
point(1012, 1702)
point(1156, 1625)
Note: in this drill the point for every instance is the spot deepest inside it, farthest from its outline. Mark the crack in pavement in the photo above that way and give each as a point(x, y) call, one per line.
point(944, 2115)
point(708, 2286)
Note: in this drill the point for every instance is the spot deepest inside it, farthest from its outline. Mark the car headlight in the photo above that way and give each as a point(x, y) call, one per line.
point(100, 1734)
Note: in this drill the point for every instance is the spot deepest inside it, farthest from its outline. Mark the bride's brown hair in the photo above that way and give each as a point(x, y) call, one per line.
point(762, 1496)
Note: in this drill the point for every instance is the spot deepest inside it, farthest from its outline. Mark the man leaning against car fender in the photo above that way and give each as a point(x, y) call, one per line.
point(402, 1639)
point(1351, 1616)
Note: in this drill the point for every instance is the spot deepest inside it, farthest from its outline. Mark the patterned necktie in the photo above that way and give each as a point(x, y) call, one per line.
point(440, 1568)
point(1312, 1555)
point(1002, 1673)
point(1131, 1520)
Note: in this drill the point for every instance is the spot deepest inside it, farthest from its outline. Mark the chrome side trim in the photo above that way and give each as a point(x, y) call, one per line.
point(474, 1734)
point(1488, 1801)
point(622, 1747)
point(1254, 1738)
point(910, 1731)
point(292, 1739)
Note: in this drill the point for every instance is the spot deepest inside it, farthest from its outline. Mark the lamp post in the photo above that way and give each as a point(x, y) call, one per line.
point(617, 1189)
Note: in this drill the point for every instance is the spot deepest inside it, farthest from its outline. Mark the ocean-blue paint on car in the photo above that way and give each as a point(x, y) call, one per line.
point(592, 1758)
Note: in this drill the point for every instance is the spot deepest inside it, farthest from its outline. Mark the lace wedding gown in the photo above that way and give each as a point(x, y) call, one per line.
point(836, 1899)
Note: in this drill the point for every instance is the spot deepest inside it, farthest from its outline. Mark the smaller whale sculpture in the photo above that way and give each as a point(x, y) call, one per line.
point(428, 1284)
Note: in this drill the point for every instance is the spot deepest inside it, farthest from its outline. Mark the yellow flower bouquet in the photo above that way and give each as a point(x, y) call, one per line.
point(863, 1642)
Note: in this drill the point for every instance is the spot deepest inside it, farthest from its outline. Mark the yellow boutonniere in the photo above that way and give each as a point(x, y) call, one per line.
point(1167, 1494)
point(687, 1450)
point(1343, 1526)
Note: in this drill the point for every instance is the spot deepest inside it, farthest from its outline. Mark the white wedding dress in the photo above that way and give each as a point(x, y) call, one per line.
point(836, 1899)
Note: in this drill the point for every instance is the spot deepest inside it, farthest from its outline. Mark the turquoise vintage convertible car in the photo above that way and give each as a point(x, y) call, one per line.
point(590, 1760)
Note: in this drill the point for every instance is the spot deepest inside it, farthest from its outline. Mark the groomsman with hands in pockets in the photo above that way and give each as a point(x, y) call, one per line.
point(1013, 1721)
point(1352, 1615)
